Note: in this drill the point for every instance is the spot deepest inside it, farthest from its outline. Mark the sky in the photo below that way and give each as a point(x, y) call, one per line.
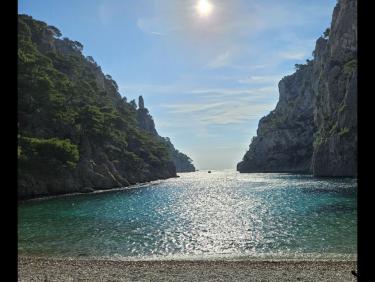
point(206, 78)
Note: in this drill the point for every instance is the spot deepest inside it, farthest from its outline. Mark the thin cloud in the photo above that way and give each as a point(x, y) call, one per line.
point(261, 79)
point(153, 26)
point(294, 55)
point(150, 88)
point(173, 89)
point(237, 93)
point(219, 113)
point(192, 108)
point(220, 61)
point(237, 113)
point(108, 11)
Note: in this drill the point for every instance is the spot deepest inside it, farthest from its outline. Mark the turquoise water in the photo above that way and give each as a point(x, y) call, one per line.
point(199, 215)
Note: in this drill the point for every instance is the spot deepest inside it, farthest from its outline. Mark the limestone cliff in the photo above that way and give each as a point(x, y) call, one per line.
point(76, 133)
point(314, 126)
point(285, 136)
point(181, 161)
point(335, 141)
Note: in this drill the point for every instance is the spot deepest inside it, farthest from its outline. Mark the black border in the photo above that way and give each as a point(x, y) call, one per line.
point(365, 160)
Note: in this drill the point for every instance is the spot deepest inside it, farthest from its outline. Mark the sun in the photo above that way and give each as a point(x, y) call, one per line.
point(204, 8)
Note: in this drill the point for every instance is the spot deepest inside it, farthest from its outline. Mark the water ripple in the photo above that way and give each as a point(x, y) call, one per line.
point(199, 214)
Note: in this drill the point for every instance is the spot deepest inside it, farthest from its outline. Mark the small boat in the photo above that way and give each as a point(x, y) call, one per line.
point(209, 171)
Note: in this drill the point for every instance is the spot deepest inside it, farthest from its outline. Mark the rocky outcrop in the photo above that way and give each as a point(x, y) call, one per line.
point(314, 126)
point(285, 137)
point(75, 131)
point(145, 120)
point(181, 161)
point(335, 142)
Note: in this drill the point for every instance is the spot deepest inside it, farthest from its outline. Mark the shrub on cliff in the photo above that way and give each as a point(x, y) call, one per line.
point(64, 99)
point(42, 152)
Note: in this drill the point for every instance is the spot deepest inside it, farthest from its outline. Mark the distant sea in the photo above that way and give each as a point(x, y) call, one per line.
point(200, 215)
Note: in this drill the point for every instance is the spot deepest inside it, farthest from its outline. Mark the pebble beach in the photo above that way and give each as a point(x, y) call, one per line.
point(57, 269)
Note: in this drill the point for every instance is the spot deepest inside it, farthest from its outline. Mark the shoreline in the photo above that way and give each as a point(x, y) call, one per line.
point(331, 257)
point(32, 268)
point(98, 191)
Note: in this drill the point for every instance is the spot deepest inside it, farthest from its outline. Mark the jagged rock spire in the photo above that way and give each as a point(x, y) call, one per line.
point(141, 103)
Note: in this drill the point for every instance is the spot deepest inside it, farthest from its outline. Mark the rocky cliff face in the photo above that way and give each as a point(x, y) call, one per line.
point(314, 126)
point(181, 161)
point(285, 136)
point(75, 131)
point(145, 120)
point(335, 141)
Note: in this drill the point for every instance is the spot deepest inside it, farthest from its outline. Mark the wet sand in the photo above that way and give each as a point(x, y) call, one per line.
point(56, 269)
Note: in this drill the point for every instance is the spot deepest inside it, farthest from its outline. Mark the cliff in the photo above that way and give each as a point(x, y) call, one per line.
point(313, 128)
point(75, 131)
point(181, 161)
point(284, 141)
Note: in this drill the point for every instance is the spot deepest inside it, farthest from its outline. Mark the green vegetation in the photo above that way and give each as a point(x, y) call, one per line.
point(318, 140)
point(344, 130)
point(182, 162)
point(350, 66)
point(64, 99)
point(43, 152)
point(326, 33)
point(321, 136)
point(299, 66)
point(333, 129)
point(342, 107)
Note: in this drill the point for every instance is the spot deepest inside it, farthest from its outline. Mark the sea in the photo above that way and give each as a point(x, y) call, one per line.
point(199, 215)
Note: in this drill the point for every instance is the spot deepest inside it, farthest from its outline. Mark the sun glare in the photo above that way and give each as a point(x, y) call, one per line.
point(204, 8)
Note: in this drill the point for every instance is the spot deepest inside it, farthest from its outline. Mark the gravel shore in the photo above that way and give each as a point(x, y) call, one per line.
point(53, 269)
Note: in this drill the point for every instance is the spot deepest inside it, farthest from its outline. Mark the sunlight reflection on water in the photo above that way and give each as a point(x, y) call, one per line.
point(217, 214)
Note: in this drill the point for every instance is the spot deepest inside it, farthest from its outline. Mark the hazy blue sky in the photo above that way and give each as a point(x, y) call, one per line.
point(206, 80)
